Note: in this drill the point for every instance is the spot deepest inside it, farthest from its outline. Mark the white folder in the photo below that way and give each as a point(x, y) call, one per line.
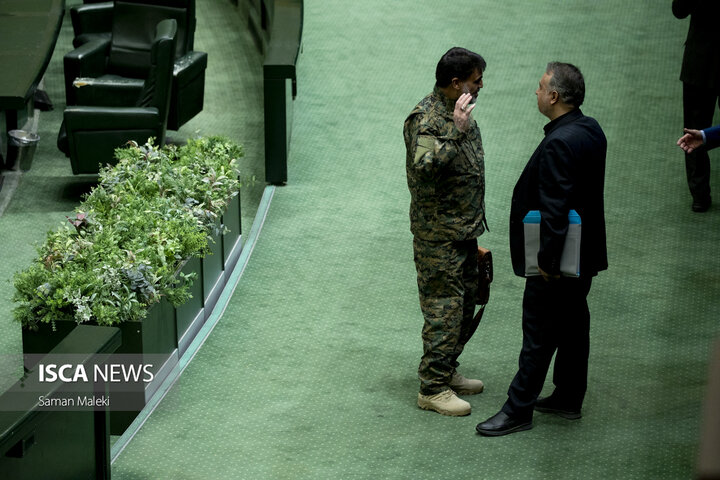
point(570, 259)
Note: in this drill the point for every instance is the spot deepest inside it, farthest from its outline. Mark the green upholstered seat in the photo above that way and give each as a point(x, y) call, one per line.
point(113, 43)
point(90, 134)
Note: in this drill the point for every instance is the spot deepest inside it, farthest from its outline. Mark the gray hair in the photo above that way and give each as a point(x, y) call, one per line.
point(568, 82)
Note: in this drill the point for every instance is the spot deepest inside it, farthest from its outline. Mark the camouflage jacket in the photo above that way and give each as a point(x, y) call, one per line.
point(445, 173)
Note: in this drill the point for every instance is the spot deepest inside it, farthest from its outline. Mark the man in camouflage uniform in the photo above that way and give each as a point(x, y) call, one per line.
point(446, 178)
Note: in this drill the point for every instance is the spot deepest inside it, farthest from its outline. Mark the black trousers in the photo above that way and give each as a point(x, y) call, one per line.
point(698, 109)
point(556, 318)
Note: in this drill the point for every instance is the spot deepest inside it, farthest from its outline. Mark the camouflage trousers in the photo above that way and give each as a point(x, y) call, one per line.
point(447, 275)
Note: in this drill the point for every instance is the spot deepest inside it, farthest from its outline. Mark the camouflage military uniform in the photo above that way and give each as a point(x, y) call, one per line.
point(446, 178)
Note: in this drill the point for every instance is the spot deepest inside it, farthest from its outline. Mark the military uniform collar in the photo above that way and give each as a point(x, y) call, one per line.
point(448, 103)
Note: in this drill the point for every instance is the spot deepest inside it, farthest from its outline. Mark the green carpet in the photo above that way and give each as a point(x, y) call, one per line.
point(311, 372)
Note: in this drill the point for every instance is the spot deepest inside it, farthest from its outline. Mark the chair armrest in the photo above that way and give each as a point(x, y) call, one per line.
point(102, 118)
point(89, 19)
point(88, 60)
point(107, 92)
point(189, 66)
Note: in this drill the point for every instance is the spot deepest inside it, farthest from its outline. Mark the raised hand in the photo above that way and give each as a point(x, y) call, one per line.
point(463, 108)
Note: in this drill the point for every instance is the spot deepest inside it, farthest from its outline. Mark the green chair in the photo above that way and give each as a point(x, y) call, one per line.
point(112, 56)
point(90, 134)
point(91, 21)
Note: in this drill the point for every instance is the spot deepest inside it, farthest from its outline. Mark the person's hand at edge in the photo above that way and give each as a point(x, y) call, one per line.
point(690, 141)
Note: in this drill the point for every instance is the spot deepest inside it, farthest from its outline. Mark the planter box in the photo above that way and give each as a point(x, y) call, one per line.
point(155, 336)
point(167, 331)
point(190, 316)
point(225, 251)
point(213, 272)
point(232, 241)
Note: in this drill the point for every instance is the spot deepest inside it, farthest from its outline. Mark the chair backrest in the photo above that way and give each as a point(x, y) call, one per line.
point(133, 31)
point(158, 84)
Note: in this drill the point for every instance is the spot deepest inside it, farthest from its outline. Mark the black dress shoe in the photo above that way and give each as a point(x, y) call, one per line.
point(700, 206)
point(550, 405)
point(502, 424)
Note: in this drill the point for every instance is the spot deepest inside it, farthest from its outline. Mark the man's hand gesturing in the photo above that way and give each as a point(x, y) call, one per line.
point(463, 108)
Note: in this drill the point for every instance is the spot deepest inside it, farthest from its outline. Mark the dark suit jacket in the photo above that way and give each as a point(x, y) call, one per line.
point(701, 60)
point(712, 136)
point(567, 171)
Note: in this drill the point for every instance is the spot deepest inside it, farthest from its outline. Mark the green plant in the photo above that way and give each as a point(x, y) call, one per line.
point(122, 251)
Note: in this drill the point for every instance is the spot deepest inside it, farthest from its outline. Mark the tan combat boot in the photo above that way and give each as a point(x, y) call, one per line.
point(465, 386)
point(445, 403)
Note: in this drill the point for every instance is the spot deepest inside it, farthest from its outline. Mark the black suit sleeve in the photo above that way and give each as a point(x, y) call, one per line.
point(556, 182)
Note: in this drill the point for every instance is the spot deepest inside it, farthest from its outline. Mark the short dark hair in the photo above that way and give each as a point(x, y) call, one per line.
point(568, 82)
point(457, 63)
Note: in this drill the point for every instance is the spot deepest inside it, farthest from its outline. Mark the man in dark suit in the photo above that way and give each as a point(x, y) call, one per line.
point(700, 75)
point(567, 171)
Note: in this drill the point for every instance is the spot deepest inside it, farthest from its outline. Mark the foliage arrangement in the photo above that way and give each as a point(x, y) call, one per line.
point(123, 249)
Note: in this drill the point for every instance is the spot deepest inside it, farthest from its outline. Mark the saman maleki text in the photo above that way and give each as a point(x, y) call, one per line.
point(112, 373)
